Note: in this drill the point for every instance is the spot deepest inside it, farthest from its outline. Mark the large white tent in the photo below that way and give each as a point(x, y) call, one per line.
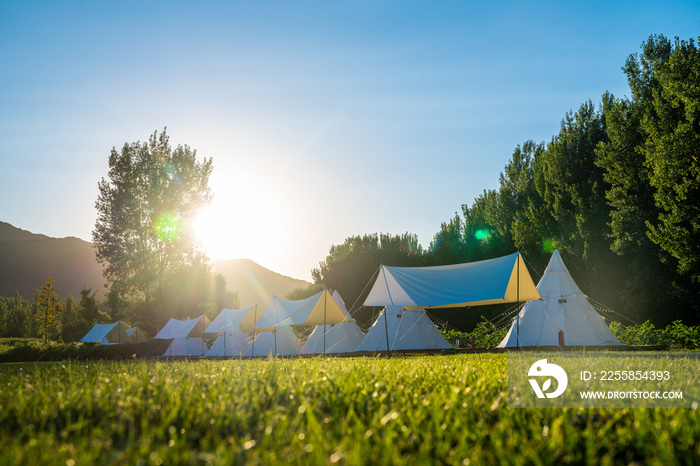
point(407, 329)
point(229, 343)
point(107, 334)
point(343, 337)
point(500, 280)
point(281, 341)
point(563, 307)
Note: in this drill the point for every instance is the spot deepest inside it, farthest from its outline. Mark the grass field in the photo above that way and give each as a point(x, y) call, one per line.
point(412, 410)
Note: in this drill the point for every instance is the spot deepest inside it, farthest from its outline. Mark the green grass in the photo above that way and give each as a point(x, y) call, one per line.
point(413, 410)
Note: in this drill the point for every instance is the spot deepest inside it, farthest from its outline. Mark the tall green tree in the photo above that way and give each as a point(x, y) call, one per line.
point(143, 231)
point(49, 307)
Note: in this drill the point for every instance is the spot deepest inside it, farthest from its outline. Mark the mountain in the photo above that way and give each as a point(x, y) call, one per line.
point(254, 283)
point(28, 259)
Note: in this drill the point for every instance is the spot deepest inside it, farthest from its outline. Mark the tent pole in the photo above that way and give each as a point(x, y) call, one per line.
point(324, 323)
point(386, 331)
point(275, 340)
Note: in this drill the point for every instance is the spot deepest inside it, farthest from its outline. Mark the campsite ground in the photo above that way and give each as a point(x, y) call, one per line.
point(403, 410)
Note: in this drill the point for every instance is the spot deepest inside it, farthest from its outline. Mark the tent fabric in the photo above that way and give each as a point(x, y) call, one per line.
point(500, 280)
point(339, 338)
point(113, 334)
point(408, 329)
point(230, 344)
point(563, 307)
point(137, 336)
point(229, 320)
point(318, 309)
point(282, 339)
point(188, 328)
point(194, 346)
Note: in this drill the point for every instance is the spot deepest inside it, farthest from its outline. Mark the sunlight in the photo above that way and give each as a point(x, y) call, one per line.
point(237, 224)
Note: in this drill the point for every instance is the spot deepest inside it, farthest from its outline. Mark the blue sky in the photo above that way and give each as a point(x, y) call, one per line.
point(324, 119)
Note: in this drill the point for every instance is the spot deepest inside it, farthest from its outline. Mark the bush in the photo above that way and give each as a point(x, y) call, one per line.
point(485, 336)
point(677, 335)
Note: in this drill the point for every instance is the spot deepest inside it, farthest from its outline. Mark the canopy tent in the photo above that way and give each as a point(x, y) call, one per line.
point(407, 329)
point(339, 338)
point(500, 280)
point(563, 307)
point(107, 334)
point(193, 346)
point(137, 336)
point(318, 309)
point(229, 320)
point(281, 341)
point(230, 343)
point(188, 328)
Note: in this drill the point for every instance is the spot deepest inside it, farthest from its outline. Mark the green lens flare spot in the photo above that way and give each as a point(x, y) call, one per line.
point(482, 234)
point(549, 245)
point(168, 227)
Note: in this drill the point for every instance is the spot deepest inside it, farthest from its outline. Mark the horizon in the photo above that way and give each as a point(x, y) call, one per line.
point(328, 121)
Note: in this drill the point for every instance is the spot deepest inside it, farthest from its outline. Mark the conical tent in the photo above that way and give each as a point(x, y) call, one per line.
point(230, 344)
point(407, 329)
point(339, 338)
point(500, 280)
point(107, 334)
point(176, 328)
point(229, 320)
point(193, 346)
point(563, 307)
point(280, 342)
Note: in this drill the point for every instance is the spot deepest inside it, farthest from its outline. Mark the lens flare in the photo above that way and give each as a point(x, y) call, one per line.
point(549, 245)
point(168, 227)
point(482, 234)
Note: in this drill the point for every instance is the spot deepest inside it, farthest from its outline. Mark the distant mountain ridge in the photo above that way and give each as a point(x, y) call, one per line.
point(27, 259)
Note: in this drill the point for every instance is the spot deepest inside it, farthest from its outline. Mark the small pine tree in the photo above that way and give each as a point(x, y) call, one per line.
point(48, 307)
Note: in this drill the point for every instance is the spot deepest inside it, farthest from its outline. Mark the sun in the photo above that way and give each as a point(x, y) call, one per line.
point(236, 225)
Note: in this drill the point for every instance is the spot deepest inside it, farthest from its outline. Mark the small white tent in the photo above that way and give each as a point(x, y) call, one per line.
point(193, 346)
point(563, 307)
point(407, 329)
point(188, 328)
point(281, 341)
point(107, 334)
point(343, 337)
point(230, 325)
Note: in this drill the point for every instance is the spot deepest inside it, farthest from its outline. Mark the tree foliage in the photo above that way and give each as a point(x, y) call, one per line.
point(143, 235)
point(49, 307)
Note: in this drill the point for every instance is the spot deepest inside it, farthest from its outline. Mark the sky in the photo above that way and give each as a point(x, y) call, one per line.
point(324, 119)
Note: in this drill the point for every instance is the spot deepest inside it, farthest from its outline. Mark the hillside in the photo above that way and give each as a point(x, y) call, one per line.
point(254, 283)
point(27, 259)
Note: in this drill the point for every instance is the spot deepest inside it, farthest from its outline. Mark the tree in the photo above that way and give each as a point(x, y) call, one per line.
point(143, 231)
point(48, 308)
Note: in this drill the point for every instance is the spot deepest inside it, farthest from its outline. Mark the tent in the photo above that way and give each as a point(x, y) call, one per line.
point(230, 343)
point(231, 319)
point(563, 307)
point(343, 337)
point(107, 334)
point(318, 309)
point(193, 346)
point(137, 336)
point(500, 280)
point(407, 329)
point(281, 341)
point(176, 328)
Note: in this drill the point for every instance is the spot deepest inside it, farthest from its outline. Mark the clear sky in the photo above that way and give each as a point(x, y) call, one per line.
point(325, 119)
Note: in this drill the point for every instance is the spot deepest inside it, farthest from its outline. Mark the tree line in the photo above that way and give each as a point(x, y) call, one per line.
point(616, 191)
